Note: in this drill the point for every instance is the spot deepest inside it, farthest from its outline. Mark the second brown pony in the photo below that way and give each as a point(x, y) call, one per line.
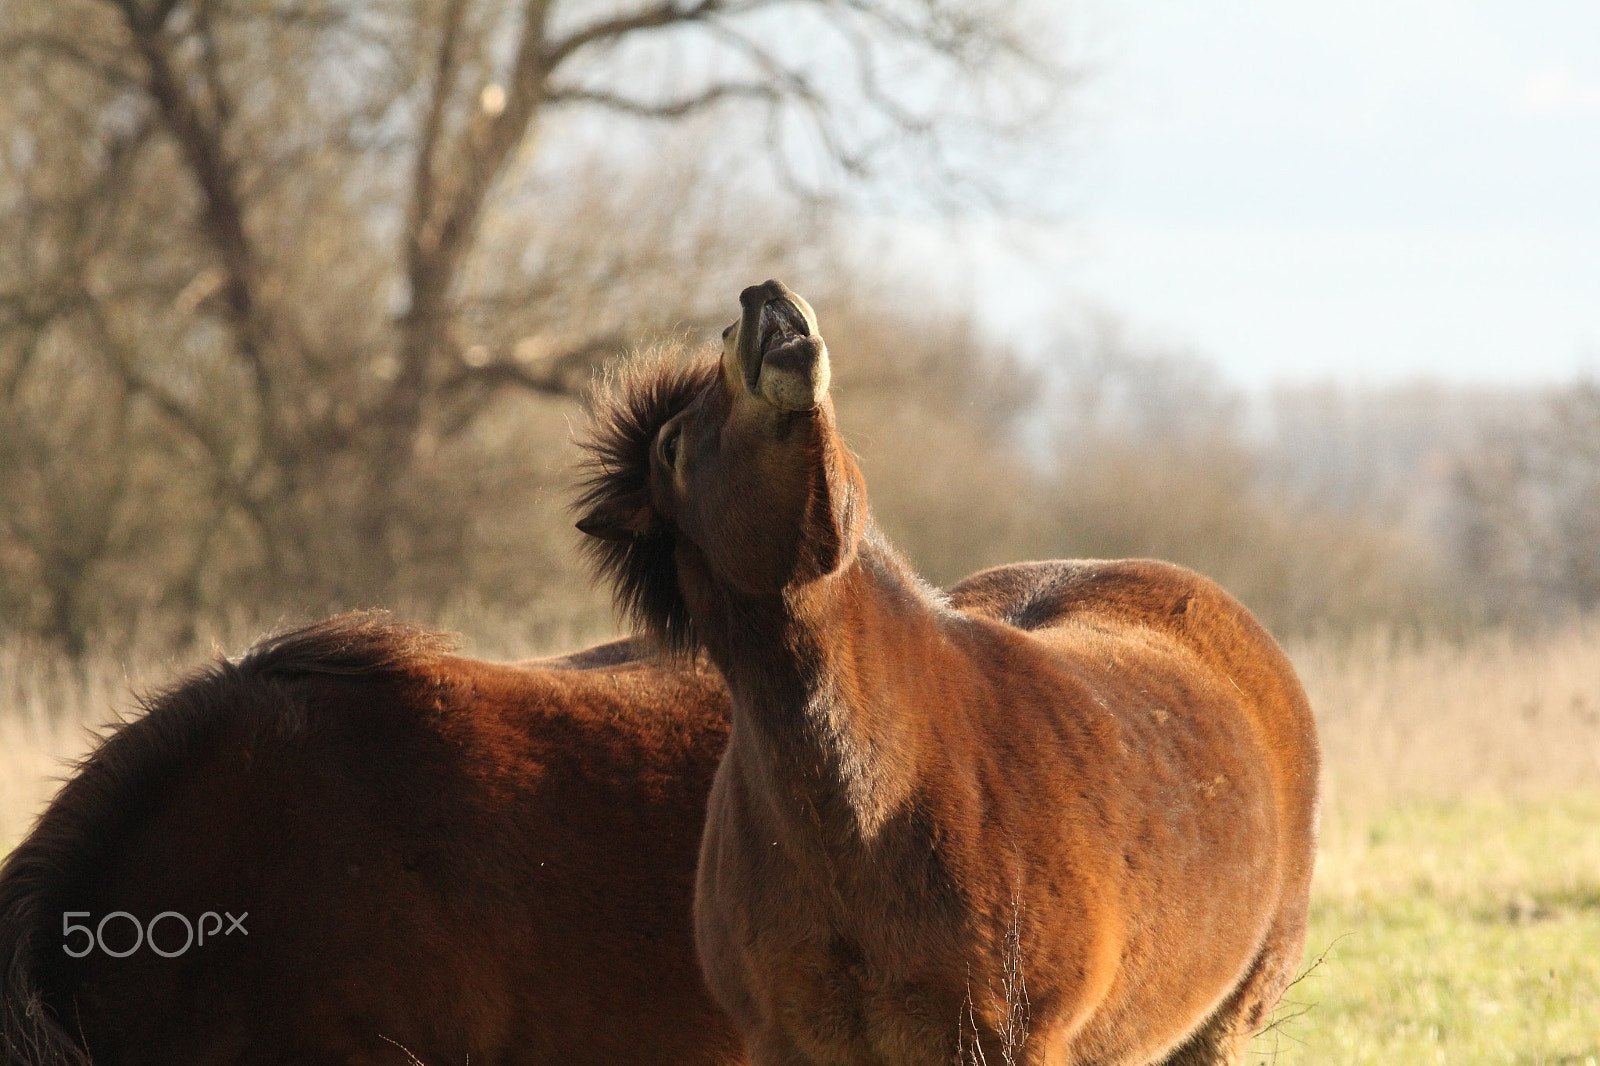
point(430, 859)
point(1066, 814)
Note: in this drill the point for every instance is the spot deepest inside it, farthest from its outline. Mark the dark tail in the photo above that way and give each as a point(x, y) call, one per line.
point(116, 786)
point(31, 1034)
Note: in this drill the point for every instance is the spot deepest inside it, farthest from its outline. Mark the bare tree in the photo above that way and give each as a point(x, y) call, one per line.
point(1152, 458)
point(316, 252)
point(1527, 509)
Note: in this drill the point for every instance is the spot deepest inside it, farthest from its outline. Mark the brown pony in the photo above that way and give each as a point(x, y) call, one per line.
point(430, 860)
point(1066, 814)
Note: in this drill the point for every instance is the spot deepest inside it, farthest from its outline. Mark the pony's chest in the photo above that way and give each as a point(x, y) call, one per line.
point(837, 1006)
point(851, 976)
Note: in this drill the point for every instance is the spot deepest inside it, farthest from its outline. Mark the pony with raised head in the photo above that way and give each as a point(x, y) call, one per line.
point(1065, 814)
point(430, 860)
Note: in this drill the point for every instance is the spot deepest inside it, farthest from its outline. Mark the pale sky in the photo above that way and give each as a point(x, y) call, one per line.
point(1353, 190)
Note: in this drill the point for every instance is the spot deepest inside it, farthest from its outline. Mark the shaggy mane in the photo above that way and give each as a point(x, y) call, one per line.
point(627, 410)
point(355, 644)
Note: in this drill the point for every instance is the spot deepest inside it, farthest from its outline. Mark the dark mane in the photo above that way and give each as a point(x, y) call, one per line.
point(627, 409)
point(124, 779)
point(362, 642)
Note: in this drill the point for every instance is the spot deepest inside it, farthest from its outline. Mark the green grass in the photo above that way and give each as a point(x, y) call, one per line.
point(1466, 932)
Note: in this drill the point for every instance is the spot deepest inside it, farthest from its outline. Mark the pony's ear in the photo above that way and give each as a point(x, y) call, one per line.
point(621, 520)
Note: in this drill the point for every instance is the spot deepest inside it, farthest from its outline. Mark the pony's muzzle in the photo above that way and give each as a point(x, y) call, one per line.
point(781, 354)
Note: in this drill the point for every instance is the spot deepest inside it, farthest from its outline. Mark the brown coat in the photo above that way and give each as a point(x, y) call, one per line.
point(1066, 814)
point(455, 860)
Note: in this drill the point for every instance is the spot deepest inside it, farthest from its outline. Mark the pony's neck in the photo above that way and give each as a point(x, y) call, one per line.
point(823, 683)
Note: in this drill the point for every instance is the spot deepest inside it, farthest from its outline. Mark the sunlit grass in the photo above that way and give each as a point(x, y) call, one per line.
point(1456, 932)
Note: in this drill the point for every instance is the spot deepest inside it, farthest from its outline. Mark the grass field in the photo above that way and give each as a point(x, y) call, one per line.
point(1465, 931)
point(1456, 917)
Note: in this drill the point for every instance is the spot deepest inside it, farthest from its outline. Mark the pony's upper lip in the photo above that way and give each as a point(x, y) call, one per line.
point(781, 322)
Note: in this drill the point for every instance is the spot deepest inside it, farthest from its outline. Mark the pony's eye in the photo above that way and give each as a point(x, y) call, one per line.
point(669, 446)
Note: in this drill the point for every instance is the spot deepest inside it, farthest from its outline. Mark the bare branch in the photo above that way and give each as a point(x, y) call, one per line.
point(444, 223)
point(501, 373)
point(202, 145)
point(122, 363)
point(560, 375)
point(796, 87)
point(486, 143)
point(422, 181)
point(231, 485)
point(662, 14)
point(872, 88)
point(674, 109)
point(964, 33)
point(221, 104)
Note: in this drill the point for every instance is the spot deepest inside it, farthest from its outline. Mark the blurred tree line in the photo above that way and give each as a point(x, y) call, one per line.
point(296, 293)
point(1526, 500)
point(297, 298)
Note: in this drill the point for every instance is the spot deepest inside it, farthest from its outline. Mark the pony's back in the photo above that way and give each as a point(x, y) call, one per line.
point(389, 850)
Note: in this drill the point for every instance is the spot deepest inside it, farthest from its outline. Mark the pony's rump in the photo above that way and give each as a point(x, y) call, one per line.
point(366, 643)
point(352, 845)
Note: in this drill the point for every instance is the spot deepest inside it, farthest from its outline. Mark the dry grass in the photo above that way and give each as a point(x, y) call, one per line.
point(48, 707)
point(1408, 719)
point(1499, 725)
point(1401, 720)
